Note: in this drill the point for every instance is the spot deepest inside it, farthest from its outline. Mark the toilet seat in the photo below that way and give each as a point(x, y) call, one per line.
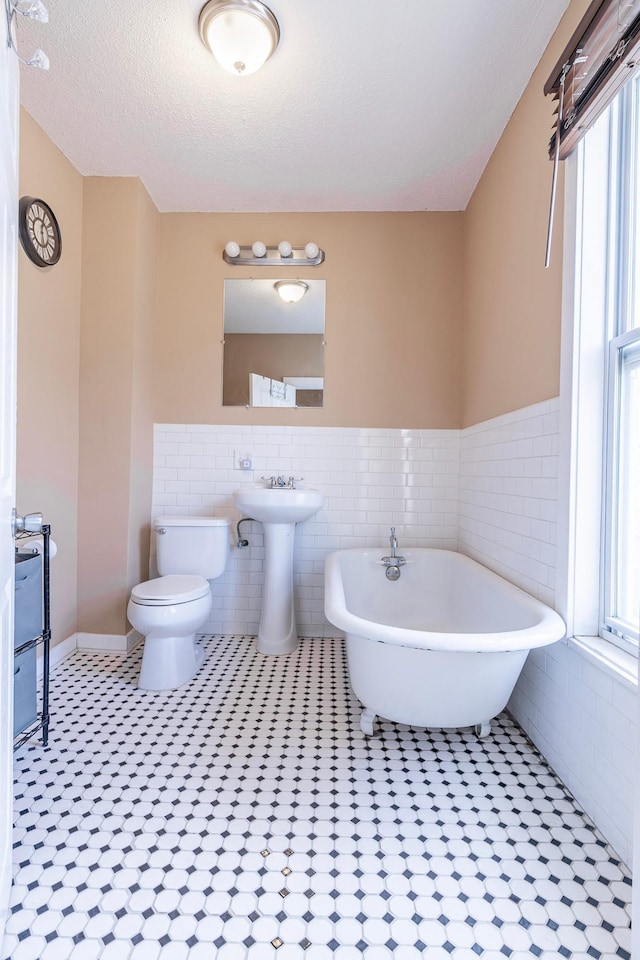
point(172, 589)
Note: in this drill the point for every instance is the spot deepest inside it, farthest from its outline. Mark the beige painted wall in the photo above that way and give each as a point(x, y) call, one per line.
point(118, 289)
point(393, 316)
point(512, 305)
point(48, 364)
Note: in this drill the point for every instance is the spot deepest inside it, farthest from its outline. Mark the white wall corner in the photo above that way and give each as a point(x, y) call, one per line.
point(109, 642)
point(635, 902)
point(57, 654)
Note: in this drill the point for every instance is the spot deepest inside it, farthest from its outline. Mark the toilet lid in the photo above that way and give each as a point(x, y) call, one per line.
point(175, 588)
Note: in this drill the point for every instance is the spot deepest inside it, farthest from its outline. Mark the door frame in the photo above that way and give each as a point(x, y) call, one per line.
point(9, 129)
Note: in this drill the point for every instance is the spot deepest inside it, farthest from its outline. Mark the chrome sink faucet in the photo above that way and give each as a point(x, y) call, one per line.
point(279, 482)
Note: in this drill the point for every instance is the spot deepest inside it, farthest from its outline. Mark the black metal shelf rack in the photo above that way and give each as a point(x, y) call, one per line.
point(44, 639)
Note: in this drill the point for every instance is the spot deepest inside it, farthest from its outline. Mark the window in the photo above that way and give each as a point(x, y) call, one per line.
point(609, 258)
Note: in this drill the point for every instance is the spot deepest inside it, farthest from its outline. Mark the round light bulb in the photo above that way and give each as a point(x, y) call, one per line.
point(311, 251)
point(232, 249)
point(258, 249)
point(284, 248)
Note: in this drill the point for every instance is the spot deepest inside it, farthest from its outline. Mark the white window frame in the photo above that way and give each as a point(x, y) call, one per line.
point(612, 627)
point(621, 296)
point(588, 386)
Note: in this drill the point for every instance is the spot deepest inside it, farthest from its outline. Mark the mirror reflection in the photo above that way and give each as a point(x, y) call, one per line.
point(273, 343)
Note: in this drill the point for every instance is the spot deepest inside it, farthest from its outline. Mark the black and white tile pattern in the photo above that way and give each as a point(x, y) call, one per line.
point(246, 817)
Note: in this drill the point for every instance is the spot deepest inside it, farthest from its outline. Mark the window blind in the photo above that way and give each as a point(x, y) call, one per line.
point(599, 58)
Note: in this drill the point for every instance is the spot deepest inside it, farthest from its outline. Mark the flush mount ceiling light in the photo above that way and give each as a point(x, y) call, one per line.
point(291, 291)
point(241, 34)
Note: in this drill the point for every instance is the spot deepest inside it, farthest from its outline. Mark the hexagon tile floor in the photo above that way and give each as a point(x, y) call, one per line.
point(246, 817)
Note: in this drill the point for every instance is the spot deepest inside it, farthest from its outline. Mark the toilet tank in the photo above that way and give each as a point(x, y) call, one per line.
point(192, 545)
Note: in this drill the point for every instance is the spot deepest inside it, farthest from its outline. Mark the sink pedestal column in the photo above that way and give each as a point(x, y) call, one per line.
point(278, 507)
point(277, 633)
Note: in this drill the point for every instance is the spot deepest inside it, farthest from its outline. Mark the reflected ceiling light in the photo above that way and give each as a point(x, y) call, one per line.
point(291, 291)
point(241, 34)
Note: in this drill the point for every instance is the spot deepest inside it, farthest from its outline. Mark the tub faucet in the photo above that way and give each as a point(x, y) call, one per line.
point(393, 562)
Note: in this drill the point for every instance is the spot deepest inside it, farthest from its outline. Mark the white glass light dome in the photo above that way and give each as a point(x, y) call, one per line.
point(291, 291)
point(241, 34)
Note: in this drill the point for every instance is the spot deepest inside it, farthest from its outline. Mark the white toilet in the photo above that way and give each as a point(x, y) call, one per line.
point(169, 610)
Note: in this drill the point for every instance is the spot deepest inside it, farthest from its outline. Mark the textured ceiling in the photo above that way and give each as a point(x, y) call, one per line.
point(366, 105)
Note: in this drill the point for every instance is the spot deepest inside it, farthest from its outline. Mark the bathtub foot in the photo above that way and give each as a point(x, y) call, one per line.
point(367, 719)
point(483, 729)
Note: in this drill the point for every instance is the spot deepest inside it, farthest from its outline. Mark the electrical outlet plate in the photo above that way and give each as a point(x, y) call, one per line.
point(242, 459)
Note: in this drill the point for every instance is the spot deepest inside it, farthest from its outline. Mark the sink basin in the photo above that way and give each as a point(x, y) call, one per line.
point(277, 505)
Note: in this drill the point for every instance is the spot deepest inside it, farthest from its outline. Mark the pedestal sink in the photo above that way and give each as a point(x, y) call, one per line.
point(279, 509)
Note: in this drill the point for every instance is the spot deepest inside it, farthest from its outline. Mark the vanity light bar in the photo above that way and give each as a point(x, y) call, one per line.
point(272, 257)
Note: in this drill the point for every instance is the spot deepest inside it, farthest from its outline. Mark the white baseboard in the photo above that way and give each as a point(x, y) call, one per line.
point(57, 654)
point(89, 643)
point(108, 642)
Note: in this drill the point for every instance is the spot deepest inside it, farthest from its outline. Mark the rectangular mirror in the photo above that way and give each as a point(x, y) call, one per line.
point(273, 349)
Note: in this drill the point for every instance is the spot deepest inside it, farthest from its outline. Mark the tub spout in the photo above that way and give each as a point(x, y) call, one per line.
point(393, 541)
point(394, 562)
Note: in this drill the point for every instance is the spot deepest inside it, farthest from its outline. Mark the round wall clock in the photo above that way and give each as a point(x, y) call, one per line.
point(39, 232)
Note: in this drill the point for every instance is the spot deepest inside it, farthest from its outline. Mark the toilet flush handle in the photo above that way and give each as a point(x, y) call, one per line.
point(160, 530)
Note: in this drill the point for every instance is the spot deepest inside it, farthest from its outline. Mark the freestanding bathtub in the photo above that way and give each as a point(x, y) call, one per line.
point(442, 646)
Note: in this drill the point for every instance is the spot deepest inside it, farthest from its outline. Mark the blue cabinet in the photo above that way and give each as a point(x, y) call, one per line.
point(25, 701)
point(28, 608)
point(28, 627)
point(32, 630)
